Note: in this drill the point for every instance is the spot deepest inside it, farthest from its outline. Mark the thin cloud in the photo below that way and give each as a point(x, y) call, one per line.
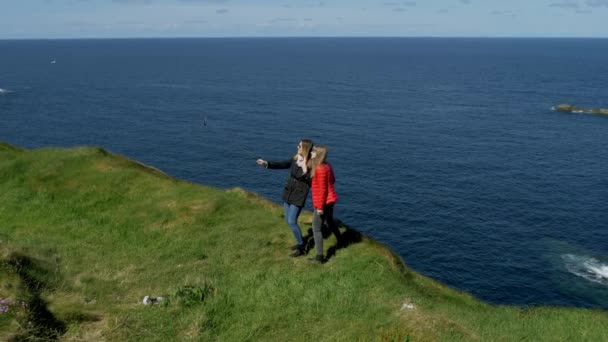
point(565, 4)
point(195, 22)
point(313, 4)
point(222, 11)
point(597, 3)
point(206, 1)
point(279, 20)
point(400, 4)
point(504, 13)
point(129, 23)
point(466, 2)
point(133, 2)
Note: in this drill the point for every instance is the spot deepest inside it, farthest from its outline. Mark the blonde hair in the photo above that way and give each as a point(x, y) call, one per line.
point(307, 147)
point(320, 157)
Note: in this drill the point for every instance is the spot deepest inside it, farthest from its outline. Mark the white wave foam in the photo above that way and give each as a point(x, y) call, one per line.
point(587, 267)
point(168, 85)
point(5, 91)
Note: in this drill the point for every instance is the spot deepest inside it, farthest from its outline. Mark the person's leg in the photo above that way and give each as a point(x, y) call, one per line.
point(292, 212)
point(328, 217)
point(317, 222)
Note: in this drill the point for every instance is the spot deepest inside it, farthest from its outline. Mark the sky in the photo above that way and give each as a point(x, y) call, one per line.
point(55, 19)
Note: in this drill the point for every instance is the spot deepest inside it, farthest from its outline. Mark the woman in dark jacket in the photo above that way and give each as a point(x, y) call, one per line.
point(296, 189)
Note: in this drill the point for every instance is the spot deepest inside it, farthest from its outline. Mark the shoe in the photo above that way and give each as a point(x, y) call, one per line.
point(298, 252)
point(318, 259)
point(294, 247)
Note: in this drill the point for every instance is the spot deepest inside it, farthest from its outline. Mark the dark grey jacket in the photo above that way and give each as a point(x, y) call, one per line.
point(298, 184)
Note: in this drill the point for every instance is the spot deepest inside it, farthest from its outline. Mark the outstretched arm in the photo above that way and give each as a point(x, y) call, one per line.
point(285, 164)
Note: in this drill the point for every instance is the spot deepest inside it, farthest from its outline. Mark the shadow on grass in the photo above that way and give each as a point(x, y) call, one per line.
point(39, 324)
point(346, 237)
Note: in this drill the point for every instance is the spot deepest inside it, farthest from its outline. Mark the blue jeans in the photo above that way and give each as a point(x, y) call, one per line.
point(292, 212)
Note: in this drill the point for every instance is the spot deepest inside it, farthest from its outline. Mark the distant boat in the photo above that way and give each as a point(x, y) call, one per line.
point(53, 61)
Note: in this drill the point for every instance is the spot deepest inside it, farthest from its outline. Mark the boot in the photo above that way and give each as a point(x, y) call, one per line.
point(299, 251)
point(318, 259)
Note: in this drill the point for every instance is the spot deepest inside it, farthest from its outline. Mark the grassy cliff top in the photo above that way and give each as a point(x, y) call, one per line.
point(85, 234)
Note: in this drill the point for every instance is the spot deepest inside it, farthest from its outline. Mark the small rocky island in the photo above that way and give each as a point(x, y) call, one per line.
point(575, 109)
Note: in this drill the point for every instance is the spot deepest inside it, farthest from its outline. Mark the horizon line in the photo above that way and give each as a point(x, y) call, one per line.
point(305, 37)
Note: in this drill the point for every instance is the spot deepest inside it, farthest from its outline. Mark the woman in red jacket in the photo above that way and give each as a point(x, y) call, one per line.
point(324, 197)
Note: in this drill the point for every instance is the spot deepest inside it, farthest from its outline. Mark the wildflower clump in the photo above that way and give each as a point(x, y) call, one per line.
point(12, 307)
point(11, 313)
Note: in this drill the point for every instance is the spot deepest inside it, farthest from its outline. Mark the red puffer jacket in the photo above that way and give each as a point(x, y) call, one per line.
point(323, 191)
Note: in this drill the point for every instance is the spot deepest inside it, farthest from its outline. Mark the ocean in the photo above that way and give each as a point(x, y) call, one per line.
point(445, 150)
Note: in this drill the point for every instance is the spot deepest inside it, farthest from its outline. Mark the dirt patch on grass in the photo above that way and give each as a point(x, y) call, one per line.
point(104, 165)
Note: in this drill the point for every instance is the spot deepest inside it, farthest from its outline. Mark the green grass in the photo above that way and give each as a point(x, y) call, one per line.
point(86, 234)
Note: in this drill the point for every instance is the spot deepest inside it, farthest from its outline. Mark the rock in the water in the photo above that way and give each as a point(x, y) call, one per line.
point(567, 108)
point(599, 111)
point(575, 109)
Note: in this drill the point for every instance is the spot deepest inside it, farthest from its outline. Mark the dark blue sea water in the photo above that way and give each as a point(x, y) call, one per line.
point(446, 150)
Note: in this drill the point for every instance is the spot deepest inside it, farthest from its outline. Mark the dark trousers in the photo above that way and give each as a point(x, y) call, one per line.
point(317, 223)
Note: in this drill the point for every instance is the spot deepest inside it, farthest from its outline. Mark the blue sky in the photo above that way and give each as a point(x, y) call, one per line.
point(258, 18)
